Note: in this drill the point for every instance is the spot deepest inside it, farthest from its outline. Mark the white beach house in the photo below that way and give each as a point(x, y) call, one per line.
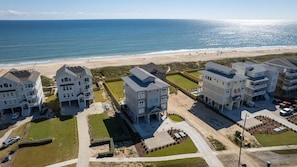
point(74, 86)
point(261, 79)
point(222, 88)
point(21, 91)
point(146, 95)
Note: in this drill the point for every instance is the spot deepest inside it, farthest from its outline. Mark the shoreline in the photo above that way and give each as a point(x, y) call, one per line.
point(49, 68)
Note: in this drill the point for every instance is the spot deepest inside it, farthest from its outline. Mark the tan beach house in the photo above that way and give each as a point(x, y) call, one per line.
point(222, 88)
point(146, 96)
point(74, 86)
point(21, 92)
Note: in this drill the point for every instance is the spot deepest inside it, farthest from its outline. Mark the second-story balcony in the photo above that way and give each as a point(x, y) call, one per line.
point(257, 86)
point(258, 93)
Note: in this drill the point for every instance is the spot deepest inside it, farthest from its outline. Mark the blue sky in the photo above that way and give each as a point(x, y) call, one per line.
point(171, 9)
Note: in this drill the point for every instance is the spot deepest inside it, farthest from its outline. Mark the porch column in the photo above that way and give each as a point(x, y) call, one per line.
point(69, 104)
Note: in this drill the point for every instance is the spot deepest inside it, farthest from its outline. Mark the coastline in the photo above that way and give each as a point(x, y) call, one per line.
point(49, 69)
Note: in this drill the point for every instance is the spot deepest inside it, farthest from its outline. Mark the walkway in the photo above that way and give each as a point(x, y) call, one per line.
point(197, 139)
point(83, 133)
point(18, 124)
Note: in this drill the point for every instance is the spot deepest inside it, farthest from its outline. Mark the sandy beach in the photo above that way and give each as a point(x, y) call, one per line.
point(49, 69)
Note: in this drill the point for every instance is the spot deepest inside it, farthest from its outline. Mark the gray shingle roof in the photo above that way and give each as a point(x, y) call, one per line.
point(77, 71)
point(141, 80)
point(20, 76)
point(153, 68)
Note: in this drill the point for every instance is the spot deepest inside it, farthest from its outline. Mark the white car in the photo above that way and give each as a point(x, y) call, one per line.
point(285, 111)
point(15, 115)
point(10, 141)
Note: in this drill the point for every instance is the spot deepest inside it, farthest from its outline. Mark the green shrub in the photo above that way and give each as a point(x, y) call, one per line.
point(35, 142)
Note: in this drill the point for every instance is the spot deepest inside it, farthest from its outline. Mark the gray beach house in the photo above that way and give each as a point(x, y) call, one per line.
point(74, 86)
point(146, 96)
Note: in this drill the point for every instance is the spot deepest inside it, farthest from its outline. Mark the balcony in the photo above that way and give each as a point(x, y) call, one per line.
point(256, 87)
point(288, 88)
point(263, 92)
point(289, 74)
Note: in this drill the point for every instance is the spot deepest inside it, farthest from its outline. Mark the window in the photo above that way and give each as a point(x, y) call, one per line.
point(141, 95)
point(62, 80)
point(163, 99)
point(1, 86)
point(141, 103)
point(141, 111)
point(5, 85)
point(5, 102)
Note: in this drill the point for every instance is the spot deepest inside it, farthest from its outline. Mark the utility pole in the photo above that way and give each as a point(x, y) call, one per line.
point(241, 139)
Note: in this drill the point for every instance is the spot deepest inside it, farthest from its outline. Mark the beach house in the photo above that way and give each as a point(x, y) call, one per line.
point(155, 70)
point(287, 80)
point(261, 79)
point(21, 92)
point(74, 86)
point(222, 88)
point(146, 96)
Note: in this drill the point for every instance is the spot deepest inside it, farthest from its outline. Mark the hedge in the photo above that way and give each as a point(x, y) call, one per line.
point(35, 142)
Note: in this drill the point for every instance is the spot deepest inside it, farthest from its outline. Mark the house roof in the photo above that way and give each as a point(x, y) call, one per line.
point(141, 80)
point(219, 68)
point(221, 76)
point(284, 63)
point(153, 68)
point(20, 76)
point(77, 71)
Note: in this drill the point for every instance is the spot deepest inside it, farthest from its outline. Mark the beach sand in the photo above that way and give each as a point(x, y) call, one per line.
point(49, 69)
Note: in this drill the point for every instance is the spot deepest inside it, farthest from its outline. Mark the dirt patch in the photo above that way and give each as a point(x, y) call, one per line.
point(99, 149)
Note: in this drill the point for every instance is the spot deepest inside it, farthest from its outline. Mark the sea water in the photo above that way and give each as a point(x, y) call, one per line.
point(30, 42)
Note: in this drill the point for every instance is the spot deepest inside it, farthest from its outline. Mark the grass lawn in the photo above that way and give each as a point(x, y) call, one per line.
point(64, 146)
point(104, 126)
point(292, 151)
point(52, 102)
point(175, 118)
point(182, 81)
point(97, 126)
point(116, 88)
point(185, 147)
point(286, 138)
point(196, 74)
point(189, 162)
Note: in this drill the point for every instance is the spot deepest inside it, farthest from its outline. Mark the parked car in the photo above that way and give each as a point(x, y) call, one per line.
point(10, 141)
point(285, 112)
point(44, 111)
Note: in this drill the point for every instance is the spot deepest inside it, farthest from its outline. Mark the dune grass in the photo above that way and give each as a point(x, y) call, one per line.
point(291, 151)
point(64, 146)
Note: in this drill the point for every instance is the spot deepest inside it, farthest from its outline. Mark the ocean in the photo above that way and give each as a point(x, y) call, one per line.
point(30, 42)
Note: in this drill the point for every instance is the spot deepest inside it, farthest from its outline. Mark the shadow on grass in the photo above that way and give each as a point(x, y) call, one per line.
point(66, 117)
point(117, 129)
point(37, 120)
